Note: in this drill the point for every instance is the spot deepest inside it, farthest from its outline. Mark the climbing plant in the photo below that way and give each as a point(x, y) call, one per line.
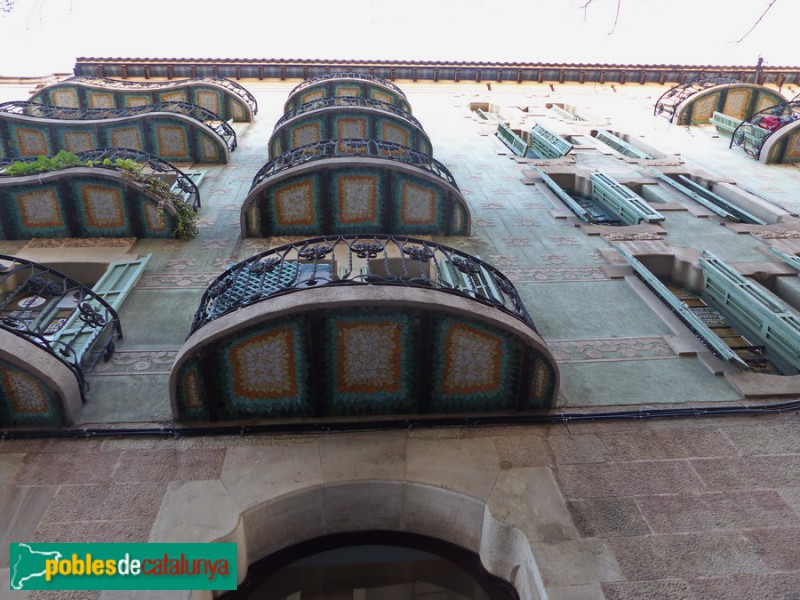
point(185, 217)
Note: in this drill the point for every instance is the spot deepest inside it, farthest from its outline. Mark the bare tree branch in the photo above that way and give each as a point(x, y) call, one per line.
point(616, 17)
point(763, 14)
point(585, 6)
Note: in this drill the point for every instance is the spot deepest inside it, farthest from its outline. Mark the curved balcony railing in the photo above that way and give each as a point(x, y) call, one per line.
point(57, 313)
point(153, 165)
point(752, 133)
point(198, 113)
point(348, 102)
point(359, 260)
point(346, 75)
point(668, 102)
point(355, 149)
point(121, 84)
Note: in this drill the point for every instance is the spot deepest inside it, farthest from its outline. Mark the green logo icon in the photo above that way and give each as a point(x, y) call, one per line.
point(84, 566)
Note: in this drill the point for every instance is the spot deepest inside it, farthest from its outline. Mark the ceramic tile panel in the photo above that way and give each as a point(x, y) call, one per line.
point(25, 399)
point(263, 370)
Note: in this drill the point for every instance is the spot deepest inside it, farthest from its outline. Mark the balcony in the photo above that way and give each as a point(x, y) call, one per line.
point(696, 101)
point(346, 84)
point(354, 186)
point(771, 135)
point(361, 326)
point(109, 192)
point(174, 131)
point(347, 117)
point(221, 96)
point(53, 330)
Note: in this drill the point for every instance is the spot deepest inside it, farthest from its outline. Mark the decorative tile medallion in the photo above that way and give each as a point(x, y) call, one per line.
point(137, 100)
point(238, 111)
point(209, 100)
point(65, 97)
point(264, 366)
point(78, 141)
point(737, 102)
point(472, 361)
point(703, 108)
point(765, 101)
point(381, 96)
point(209, 150)
point(32, 142)
point(173, 96)
point(155, 219)
point(371, 370)
point(792, 153)
point(127, 137)
point(542, 385)
point(101, 100)
point(418, 204)
point(317, 94)
point(357, 199)
point(40, 209)
point(26, 394)
point(24, 399)
point(262, 370)
point(348, 90)
point(295, 205)
point(392, 132)
point(253, 220)
point(476, 367)
point(190, 392)
point(369, 356)
point(308, 133)
point(351, 128)
point(103, 207)
point(172, 141)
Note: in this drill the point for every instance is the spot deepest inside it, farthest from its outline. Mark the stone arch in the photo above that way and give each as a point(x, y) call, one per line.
point(735, 100)
point(273, 497)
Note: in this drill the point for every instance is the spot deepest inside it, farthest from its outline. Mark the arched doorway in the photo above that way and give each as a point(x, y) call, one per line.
point(371, 565)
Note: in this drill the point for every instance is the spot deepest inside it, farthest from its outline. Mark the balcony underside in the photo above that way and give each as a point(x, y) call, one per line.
point(355, 195)
point(371, 351)
point(53, 329)
point(36, 389)
point(347, 123)
point(172, 137)
point(783, 146)
point(736, 100)
point(373, 89)
point(86, 93)
point(81, 202)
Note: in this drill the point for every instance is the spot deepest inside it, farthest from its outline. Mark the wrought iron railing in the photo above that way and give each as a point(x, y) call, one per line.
point(122, 84)
point(348, 101)
point(346, 75)
point(355, 149)
point(753, 131)
point(359, 260)
point(46, 111)
point(40, 304)
point(669, 100)
point(152, 165)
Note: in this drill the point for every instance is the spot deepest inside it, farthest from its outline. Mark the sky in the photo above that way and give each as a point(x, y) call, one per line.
point(40, 37)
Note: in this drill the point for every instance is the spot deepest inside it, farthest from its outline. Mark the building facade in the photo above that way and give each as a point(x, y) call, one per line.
point(599, 402)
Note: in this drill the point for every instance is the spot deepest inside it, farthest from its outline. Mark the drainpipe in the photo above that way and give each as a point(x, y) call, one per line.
point(758, 70)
